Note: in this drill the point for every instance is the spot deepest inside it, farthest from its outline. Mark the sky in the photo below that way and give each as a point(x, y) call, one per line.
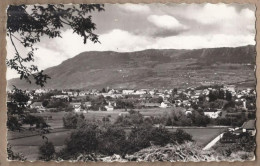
point(134, 27)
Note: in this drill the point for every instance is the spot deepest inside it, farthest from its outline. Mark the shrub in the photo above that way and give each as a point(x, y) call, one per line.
point(14, 156)
point(139, 138)
point(13, 124)
point(47, 151)
point(112, 141)
point(35, 120)
point(70, 120)
point(134, 118)
point(160, 136)
point(83, 140)
point(180, 137)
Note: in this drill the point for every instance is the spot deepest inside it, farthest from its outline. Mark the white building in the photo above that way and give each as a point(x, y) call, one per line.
point(127, 92)
point(109, 107)
point(212, 114)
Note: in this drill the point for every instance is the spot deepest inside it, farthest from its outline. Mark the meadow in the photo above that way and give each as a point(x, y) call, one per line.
point(28, 142)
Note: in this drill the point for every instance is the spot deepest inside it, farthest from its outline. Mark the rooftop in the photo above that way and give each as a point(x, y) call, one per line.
point(249, 124)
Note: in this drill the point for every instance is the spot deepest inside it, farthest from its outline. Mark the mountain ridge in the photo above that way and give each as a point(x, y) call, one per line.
point(96, 69)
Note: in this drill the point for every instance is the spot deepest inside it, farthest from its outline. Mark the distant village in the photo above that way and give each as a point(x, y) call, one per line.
point(108, 99)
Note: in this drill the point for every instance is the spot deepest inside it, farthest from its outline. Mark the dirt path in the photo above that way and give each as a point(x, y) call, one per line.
point(213, 142)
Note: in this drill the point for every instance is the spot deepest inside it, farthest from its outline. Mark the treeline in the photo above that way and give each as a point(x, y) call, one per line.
point(175, 118)
point(108, 139)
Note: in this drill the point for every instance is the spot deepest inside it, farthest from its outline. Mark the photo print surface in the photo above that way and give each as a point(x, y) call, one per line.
point(131, 82)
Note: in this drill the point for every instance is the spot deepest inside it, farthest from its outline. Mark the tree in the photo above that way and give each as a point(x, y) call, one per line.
point(47, 151)
point(199, 119)
point(71, 120)
point(13, 124)
point(35, 120)
point(160, 136)
point(18, 102)
point(139, 138)
point(27, 26)
point(221, 94)
point(112, 141)
point(45, 103)
point(83, 140)
point(180, 137)
point(228, 96)
point(103, 90)
point(212, 96)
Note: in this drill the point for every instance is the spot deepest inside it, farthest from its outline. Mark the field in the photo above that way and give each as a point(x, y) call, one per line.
point(56, 120)
point(28, 143)
point(28, 146)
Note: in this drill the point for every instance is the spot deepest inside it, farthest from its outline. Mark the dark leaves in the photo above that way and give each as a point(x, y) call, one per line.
point(28, 26)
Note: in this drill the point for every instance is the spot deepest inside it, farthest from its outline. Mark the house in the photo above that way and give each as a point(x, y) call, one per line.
point(70, 93)
point(140, 92)
point(76, 106)
point(40, 91)
point(230, 88)
point(127, 92)
point(197, 92)
point(82, 93)
point(165, 104)
point(112, 91)
point(37, 105)
point(65, 97)
point(212, 114)
point(186, 103)
point(88, 104)
point(249, 127)
point(109, 107)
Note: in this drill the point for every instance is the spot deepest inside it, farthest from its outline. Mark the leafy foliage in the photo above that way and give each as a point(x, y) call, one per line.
point(71, 120)
point(35, 120)
point(112, 141)
point(27, 26)
point(13, 124)
point(83, 140)
point(134, 118)
point(180, 137)
point(47, 151)
point(14, 156)
point(17, 102)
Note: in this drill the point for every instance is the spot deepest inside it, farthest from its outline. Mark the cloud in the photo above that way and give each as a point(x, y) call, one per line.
point(207, 41)
point(225, 17)
point(212, 13)
point(166, 22)
point(158, 26)
point(138, 8)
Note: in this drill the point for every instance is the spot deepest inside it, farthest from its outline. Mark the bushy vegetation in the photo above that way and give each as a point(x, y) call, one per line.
point(11, 155)
point(91, 138)
point(112, 140)
point(13, 123)
point(35, 120)
point(71, 120)
point(47, 151)
point(131, 119)
point(124, 104)
point(98, 103)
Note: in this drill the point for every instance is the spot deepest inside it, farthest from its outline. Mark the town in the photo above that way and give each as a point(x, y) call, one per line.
point(111, 99)
point(214, 116)
point(224, 104)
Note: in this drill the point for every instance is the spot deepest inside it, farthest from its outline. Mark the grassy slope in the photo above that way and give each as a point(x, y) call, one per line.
point(151, 68)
